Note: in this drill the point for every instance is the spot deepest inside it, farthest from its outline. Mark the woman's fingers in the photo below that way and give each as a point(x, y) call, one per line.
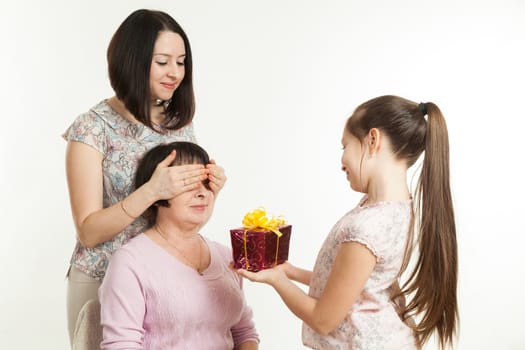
point(170, 181)
point(168, 160)
point(216, 176)
point(190, 175)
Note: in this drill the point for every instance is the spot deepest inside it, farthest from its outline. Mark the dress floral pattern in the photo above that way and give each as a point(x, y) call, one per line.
point(122, 145)
point(372, 322)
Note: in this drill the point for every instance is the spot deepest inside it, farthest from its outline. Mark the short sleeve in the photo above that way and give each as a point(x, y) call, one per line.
point(377, 228)
point(88, 128)
point(354, 234)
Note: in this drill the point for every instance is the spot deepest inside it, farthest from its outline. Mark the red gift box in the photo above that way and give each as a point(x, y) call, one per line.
point(262, 243)
point(259, 249)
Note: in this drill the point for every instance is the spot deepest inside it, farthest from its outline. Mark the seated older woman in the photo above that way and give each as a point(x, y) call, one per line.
point(170, 287)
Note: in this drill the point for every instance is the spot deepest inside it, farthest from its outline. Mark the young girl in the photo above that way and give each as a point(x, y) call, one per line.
point(355, 301)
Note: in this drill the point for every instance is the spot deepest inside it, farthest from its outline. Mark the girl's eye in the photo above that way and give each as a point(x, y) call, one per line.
point(162, 63)
point(180, 63)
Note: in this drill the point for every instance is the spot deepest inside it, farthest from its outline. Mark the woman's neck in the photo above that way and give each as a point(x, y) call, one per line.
point(176, 231)
point(156, 112)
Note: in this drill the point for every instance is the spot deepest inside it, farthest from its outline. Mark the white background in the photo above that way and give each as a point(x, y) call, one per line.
point(275, 82)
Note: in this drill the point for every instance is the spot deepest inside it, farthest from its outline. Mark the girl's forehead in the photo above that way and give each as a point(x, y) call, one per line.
point(347, 135)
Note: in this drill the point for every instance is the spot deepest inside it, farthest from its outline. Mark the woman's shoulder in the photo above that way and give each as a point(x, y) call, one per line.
point(106, 114)
point(222, 249)
point(101, 113)
point(96, 126)
point(136, 248)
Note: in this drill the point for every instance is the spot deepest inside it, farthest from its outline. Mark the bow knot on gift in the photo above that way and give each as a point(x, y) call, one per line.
point(257, 219)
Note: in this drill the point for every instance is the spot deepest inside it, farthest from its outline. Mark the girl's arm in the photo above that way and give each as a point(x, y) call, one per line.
point(248, 345)
point(352, 268)
point(95, 224)
point(297, 274)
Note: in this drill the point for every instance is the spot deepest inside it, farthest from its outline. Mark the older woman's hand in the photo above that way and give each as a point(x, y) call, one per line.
point(216, 176)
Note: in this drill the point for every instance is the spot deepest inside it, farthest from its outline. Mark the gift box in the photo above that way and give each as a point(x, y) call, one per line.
point(261, 243)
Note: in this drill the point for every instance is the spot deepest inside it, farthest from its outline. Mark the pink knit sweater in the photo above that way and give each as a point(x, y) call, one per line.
point(150, 300)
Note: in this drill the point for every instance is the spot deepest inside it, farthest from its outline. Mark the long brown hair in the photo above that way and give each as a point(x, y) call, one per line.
point(129, 56)
point(431, 287)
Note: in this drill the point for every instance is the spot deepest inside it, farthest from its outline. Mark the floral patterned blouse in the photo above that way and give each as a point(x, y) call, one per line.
point(122, 145)
point(372, 322)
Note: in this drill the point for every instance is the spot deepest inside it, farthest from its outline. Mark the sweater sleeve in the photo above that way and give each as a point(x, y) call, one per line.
point(245, 330)
point(122, 304)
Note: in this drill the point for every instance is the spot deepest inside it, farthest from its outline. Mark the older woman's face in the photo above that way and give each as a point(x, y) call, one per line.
point(191, 209)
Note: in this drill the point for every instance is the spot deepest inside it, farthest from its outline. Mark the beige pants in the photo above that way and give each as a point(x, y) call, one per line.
point(80, 289)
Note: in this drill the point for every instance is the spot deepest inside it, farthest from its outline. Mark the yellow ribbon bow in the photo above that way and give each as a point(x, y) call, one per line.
point(257, 220)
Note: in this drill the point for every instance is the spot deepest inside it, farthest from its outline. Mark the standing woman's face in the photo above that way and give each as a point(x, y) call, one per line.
point(167, 68)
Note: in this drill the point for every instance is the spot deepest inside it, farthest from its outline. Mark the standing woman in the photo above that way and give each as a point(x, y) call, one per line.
point(150, 70)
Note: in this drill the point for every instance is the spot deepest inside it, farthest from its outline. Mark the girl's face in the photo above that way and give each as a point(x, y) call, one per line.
point(352, 161)
point(191, 209)
point(167, 67)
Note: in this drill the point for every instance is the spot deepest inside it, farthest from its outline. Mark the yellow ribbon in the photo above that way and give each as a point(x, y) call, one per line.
point(257, 220)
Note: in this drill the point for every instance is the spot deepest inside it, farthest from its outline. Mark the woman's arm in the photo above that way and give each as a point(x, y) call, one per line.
point(95, 224)
point(122, 303)
point(244, 334)
point(352, 268)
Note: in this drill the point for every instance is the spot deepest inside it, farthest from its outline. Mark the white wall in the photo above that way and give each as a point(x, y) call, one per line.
point(275, 81)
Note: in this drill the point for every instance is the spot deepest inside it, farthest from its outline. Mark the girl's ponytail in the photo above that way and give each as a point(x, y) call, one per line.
point(433, 281)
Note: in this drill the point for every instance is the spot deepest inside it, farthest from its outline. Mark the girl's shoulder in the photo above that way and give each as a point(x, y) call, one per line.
point(376, 225)
point(381, 211)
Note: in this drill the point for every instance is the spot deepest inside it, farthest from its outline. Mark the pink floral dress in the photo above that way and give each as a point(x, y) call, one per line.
point(372, 322)
point(122, 145)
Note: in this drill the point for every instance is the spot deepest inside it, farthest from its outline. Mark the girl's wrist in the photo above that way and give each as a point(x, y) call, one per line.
point(290, 271)
point(278, 278)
